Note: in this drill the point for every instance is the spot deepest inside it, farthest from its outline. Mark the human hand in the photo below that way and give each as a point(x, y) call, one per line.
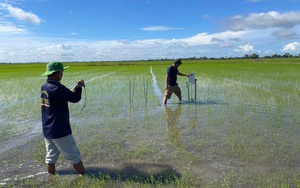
point(80, 83)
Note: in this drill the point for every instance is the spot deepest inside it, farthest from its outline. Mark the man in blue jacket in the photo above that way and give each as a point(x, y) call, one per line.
point(55, 118)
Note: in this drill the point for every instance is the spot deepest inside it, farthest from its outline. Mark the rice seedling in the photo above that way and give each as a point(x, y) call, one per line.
point(242, 131)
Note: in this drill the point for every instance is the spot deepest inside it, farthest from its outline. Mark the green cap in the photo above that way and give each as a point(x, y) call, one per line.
point(54, 67)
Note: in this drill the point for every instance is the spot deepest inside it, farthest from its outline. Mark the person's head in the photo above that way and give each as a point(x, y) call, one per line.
point(54, 70)
point(177, 62)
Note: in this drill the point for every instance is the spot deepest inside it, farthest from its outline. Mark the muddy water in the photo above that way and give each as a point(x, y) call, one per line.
point(213, 140)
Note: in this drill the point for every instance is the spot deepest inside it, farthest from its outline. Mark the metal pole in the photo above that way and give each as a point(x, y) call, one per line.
point(188, 90)
point(195, 89)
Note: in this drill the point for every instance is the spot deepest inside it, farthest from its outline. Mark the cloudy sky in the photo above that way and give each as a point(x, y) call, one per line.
point(109, 30)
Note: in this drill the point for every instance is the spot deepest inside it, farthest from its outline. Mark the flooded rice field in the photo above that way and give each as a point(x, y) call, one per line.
point(241, 131)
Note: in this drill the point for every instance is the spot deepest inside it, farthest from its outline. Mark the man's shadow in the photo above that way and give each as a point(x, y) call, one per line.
point(139, 172)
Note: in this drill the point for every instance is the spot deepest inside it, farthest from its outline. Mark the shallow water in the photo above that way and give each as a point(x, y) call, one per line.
point(215, 139)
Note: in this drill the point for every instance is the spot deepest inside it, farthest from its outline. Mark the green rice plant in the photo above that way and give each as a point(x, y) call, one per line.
point(242, 131)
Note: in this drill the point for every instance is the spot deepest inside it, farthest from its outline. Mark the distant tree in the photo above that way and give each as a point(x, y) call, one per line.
point(254, 56)
point(287, 55)
point(267, 57)
point(203, 58)
point(276, 56)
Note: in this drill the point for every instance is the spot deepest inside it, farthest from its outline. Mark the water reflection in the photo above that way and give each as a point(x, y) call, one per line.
point(172, 120)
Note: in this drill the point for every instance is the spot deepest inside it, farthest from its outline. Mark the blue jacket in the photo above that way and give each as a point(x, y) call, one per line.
point(55, 110)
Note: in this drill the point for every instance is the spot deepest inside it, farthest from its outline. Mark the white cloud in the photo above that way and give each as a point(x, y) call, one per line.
point(10, 29)
point(284, 34)
point(216, 40)
point(246, 49)
point(73, 33)
point(226, 45)
point(270, 19)
point(269, 52)
point(235, 39)
point(60, 47)
point(21, 15)
point(160, 28)
point(32, 49)
point(3, 51)
point(206, 38)
point(27, 48)
point(291, 47)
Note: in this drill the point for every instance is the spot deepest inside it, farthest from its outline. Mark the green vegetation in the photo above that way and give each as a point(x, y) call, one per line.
point(243, 130)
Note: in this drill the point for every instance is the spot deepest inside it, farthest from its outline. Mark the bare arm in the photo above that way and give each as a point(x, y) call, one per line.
point(166, 81)
point(181, 74)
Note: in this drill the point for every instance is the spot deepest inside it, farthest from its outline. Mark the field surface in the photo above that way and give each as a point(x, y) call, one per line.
point(243, 129)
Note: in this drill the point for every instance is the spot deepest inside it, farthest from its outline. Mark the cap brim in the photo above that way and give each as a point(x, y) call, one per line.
point(50, 72)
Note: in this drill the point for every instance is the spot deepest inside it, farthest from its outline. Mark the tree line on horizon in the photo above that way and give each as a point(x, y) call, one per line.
point(248, 56)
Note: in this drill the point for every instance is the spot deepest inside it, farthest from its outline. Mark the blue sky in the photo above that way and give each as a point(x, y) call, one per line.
point(113, 30)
